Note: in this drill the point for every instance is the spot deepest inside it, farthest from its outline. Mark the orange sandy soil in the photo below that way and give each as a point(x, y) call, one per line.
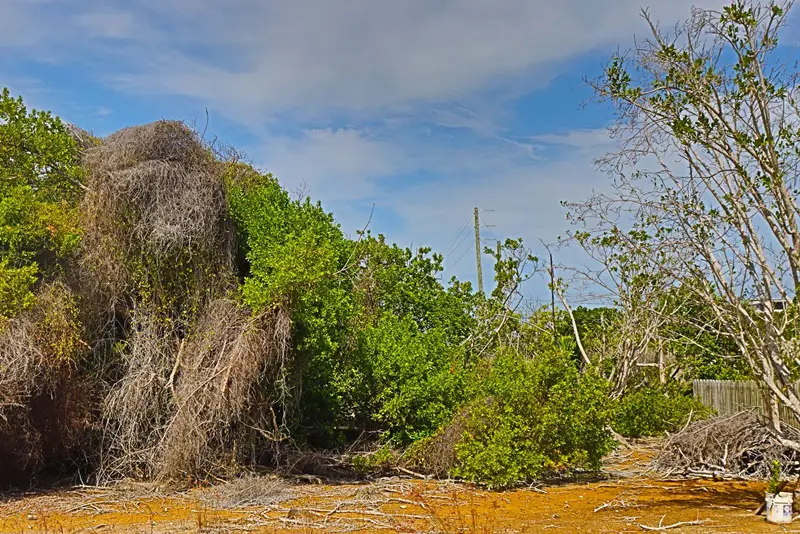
point(407, 505)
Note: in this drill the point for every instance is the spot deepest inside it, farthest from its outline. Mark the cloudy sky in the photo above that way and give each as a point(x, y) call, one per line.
point(424, 108)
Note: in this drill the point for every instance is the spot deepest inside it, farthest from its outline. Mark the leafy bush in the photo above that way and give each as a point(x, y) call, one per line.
point(404, 369)
point(291, 248)
point(651, 411)
point(292, 255)
point(416, 379)
point(535, 416)
point(406, 284)
point(40, 186)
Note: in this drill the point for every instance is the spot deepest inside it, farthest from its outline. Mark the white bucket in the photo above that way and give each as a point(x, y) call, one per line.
point(779, 508)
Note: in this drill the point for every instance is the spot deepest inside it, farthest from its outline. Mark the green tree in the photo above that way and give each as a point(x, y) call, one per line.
point(40, 185)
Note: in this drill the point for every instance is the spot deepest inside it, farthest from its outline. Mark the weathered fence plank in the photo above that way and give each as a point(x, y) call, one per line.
point(728, 397)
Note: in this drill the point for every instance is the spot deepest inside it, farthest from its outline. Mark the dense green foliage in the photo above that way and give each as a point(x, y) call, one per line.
point(415, 380)
point(40, 184)
point(652, 411)
point(533, 417)
point(375, 331)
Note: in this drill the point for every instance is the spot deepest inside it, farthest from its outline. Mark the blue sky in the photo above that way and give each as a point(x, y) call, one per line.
point(424, 108)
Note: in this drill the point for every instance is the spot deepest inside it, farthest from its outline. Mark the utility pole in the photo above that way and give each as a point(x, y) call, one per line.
point(552, 288)
point(552, 292)
point(478, 250)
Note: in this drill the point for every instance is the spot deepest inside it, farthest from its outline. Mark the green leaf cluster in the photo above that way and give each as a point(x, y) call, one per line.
point(40, 186)
point(654, 410)
point(534, 417)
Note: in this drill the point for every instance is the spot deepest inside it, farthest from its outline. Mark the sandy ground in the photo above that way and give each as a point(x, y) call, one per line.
point(632, 504)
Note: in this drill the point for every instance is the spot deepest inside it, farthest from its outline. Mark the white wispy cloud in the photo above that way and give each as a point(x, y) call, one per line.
point(349, 170)
point(315, 54)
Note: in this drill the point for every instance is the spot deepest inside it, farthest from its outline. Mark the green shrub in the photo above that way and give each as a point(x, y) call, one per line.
point(652, 411)
point(40, 186)
point(416, 379)
point(534, 417)
point(16, 284)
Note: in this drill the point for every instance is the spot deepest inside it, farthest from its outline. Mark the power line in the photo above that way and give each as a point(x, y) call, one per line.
point(457, 241)
point(458, 260)
point(449, 249)
point(458, 246)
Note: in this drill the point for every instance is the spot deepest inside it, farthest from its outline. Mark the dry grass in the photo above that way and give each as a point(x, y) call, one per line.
point(247, 491)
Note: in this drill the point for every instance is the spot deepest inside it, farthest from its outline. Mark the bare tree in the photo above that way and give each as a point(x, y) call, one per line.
point(706, 176)
point(634, 284)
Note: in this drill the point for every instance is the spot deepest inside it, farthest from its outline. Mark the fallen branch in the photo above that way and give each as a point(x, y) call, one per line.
point(661, 526)
point(411, 473)
point(602, 506)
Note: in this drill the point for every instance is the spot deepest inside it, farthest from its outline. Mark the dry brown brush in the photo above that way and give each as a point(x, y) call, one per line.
point(138, 406)
point(738, 446)
point(228, 385)
point(44, 403)
point(203, 405)
point(155, 207)
point(198, 384)
point(436, 455)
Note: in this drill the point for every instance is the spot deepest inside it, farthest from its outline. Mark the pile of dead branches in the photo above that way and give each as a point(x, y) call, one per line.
point(737, 446)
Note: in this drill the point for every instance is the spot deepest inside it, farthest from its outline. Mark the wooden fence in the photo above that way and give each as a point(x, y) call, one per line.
point(728, 397)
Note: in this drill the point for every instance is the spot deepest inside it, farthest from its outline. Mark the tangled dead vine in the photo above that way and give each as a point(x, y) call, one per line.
point(44, 405)
point(137, 408)
point(249, 490)
point(736, 446)
point(203, 404)
point(198, 379)
point(155, 199)
point(228, 383)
